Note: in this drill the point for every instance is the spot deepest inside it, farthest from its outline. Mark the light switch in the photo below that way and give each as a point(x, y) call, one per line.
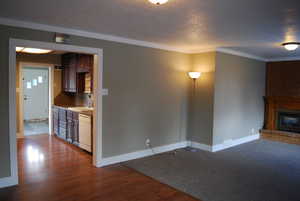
point(104, 92)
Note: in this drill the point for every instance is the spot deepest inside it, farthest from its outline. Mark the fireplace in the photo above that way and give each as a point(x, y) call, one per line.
point(288, 121)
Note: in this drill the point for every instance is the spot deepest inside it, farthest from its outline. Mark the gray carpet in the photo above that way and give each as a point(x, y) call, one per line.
point(257, 171)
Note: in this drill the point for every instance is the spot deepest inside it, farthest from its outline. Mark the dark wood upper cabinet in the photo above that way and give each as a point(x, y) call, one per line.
point(75, 68)
point(85, 63)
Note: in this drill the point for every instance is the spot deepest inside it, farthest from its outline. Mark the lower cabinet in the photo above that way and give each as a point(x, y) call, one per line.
point(65, 124)
point(75, 128)
point(62, 118)
point(55, 119)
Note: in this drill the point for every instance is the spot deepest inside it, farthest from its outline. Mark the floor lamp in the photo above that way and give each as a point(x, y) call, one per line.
point(194, 76)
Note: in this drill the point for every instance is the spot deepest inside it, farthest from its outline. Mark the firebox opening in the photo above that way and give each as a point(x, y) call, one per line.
point(288, 121)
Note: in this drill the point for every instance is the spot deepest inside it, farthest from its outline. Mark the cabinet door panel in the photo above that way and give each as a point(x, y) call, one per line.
point(75, 132)
point(72, 79)
point(85, 63)
point(75, 68)
point(65, 78)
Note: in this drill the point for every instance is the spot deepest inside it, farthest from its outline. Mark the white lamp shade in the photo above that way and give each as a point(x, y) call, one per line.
point(194, 75)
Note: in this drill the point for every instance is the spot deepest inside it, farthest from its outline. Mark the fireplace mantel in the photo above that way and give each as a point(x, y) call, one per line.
point(275, 103)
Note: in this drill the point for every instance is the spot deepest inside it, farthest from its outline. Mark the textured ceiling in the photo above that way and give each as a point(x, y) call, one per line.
point(256, 27)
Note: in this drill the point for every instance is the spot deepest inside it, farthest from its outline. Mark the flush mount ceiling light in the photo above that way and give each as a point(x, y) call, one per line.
point(291, 46)
point(32, 50)
point(158, 2)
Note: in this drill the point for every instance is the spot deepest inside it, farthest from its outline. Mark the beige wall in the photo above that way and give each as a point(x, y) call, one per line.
point(147, 94)
point(51, 59)
point(238, 103)
point(201, 99)
point(151, 96)
point(57, 82)
point(228, 100)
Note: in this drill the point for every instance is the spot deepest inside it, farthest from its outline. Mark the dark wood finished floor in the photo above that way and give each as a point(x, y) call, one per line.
point(281, 137)
point(51, 170)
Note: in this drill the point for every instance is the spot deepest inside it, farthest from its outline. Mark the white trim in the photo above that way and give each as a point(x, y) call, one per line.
point(202, 51)
point(201, 146)
point(119, 39)
point(297, 58)
point(8, 181)
point(157, 150)
point(14, 180)
point(236, 142)
point(225, 145)
point(141, 154)
point(76, 32)
point(238, 53)
point(13, 43)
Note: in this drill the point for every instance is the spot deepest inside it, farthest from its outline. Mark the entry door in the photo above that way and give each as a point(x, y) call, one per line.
point(36, 93)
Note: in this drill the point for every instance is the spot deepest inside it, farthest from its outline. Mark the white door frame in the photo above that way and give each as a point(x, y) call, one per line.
point(97, 91)
point(50, 68)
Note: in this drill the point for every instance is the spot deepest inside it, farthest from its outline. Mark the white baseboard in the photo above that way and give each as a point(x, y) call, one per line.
point(233, 143)
point(141, 154)
point(8, 181)
point(157, 150)
point(201, 146)
point(226, 145)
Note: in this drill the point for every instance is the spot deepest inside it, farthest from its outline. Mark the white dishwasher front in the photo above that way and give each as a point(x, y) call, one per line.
point(85, 132)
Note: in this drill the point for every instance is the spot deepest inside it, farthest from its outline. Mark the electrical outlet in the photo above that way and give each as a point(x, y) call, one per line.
point(147, 142)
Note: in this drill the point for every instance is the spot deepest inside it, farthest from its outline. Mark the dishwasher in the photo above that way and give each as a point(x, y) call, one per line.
point(85, 132)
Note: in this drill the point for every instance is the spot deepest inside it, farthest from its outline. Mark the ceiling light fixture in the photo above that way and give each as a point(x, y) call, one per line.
point(158, 2)
point(32, 50)
point(19, 49)
point(291, 46)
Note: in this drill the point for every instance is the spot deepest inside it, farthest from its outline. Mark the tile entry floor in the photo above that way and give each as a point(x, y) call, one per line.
point(36, 128)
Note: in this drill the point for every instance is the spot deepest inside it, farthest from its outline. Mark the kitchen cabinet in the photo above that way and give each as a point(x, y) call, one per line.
point(66, 126)
point(75, 66)
point(55, 119)
point(72, 132)
point(69, 73)
point(85, 63)
point(62, 123)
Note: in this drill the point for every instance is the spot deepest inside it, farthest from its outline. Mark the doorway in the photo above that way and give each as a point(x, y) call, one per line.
point(97, 86)
point(36, 100)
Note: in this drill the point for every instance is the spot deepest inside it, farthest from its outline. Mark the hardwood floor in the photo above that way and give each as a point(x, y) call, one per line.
point(52, 170)
point(280, 136)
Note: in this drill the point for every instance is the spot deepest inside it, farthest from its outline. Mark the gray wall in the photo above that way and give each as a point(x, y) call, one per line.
point(147, 94)
point(202, 99)
point(239, 91)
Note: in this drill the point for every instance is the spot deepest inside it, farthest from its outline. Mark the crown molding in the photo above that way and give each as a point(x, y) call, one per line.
point(241, 54)
point(284, 59)
point(202, 51)
point(76, 32)
point(107, 37)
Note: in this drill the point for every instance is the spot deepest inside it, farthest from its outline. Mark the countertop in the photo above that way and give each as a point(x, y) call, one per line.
point(80, 109)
